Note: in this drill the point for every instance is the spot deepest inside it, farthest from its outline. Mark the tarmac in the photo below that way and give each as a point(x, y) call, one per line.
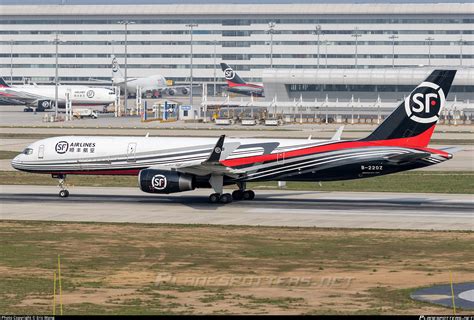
point(270, 208)
point(442, 295)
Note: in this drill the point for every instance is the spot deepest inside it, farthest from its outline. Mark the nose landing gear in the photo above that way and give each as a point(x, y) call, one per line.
point(63, 192)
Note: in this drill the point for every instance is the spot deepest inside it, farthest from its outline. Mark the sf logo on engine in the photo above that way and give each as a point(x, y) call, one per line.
point(61, 147)
point(229, 74)
point(425, 103)
point(159, 182)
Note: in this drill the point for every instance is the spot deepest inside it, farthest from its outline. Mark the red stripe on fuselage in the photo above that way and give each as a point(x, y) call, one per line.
point(250, 85)
point(417, 142)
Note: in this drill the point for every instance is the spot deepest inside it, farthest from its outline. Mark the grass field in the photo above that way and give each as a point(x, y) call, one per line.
point(8, 154)
point(171, 269)
point(414, 181)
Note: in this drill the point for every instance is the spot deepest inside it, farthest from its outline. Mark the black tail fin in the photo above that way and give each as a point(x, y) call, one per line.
point(413, 122)
point(230, 75)
point(3, 84)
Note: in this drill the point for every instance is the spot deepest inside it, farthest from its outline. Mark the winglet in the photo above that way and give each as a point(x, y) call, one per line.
point(217, 150)
point(338, 134)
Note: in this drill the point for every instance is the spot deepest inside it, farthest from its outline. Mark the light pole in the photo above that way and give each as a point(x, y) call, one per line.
point(318, 32)
point(326, 43)
point(461, 42)
point(126, 23)
point(11, 62)
point(393, 37)
point(56, 42)
point(271, 30)
point(215, 48)
point(191, 27)
point(429, 39)
point(356, 35)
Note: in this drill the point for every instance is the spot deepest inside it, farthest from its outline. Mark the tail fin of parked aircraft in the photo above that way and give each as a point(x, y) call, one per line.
point(117, 75)
point(231, 76)
point(3, 84)
point(413, 122)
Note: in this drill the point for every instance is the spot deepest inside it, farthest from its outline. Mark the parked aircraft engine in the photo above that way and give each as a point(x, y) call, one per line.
point(185, 91)
point(171, 92)
point(45, 104)
point(164, 181)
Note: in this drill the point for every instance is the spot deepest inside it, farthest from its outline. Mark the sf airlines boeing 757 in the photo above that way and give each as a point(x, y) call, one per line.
point(168, 165)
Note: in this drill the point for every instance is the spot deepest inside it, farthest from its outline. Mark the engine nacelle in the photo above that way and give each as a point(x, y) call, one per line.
point(164, 181)
point(171, 92)
point(45, 104)
point(185, 91)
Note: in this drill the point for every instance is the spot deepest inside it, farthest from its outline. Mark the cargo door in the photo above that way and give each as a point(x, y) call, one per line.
point(281, 157)
point(41, 152)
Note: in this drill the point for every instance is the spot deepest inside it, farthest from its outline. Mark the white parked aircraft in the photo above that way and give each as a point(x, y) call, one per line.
point(157, 83)
point(167, 165)
point(42, 96)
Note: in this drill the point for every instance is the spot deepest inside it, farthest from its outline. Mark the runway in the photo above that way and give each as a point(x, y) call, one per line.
point(270, 208)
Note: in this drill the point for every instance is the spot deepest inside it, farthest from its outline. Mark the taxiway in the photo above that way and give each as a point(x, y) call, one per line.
point(270, 208)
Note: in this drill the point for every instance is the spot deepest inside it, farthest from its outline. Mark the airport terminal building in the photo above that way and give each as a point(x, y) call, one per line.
point(249, 36)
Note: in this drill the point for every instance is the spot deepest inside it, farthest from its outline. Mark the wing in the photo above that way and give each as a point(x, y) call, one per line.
point(212, 164)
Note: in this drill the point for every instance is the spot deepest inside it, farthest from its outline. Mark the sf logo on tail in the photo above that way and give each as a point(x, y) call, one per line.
point(424, 104)
point(114, 65)
point(229, 74)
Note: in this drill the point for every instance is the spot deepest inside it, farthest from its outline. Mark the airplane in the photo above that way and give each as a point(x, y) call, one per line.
point(167, 165)
point(42, 96)
point(157, 83)
point(237, 85)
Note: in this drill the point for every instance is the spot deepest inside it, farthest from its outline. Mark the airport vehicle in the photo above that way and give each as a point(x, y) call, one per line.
point(237, 85)
point(42, 96)
point(157, 83)
point(168, 165)
point(85, 113)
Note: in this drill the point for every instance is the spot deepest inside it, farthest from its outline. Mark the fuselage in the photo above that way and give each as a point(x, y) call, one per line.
point(79, 95)
point(155, 82)
point(257, 159)
point(246, 89)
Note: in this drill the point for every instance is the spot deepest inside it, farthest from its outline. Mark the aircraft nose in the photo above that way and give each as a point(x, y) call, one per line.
point(16, 162)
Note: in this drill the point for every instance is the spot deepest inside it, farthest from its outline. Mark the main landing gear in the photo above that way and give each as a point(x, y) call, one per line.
point(219, 197)
point(63, 192)
point(243, 195)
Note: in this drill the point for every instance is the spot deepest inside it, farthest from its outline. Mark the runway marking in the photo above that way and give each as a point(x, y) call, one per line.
point(467, 295)
point(391, 213)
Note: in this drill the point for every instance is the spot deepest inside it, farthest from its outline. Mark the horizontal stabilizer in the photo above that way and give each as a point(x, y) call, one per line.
point(399, 158)
point(451, 149)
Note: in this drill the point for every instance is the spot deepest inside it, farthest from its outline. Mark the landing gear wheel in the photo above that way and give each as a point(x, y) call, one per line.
point(248, 195)
point(237, 195)
point(214, 198)
point(64, 193)
point(225, 198)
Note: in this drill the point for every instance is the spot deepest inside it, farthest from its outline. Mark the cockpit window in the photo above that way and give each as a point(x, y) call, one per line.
point(28, 151)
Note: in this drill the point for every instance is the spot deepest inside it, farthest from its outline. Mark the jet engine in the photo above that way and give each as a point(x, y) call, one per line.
point(171, 92)
point(165, 181)
point(185, 91)
point(45, 104)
